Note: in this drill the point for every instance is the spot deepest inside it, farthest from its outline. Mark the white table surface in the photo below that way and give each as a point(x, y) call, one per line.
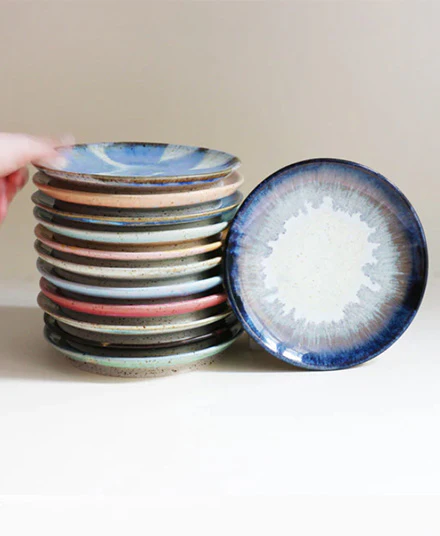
point(245, 433)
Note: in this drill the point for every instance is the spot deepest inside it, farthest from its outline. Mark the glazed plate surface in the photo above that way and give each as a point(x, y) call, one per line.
point(326, 264)
point(178, 233)
point(134, 326)
point(153, 308)
point(213, 191)
point(152, 271)
point(143, 363)
point(132, 218)
point(113, 288)
point(114, 340)
point(136, 162)
point(126, 252)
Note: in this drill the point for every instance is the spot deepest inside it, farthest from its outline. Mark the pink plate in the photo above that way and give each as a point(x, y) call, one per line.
point(154, 252)
point(144, 310)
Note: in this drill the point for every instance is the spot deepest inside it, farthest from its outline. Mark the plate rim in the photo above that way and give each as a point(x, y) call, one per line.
point(233, 181)
point(71, 174)
point(231, 284)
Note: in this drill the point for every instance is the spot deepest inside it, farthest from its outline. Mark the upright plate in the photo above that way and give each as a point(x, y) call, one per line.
point(142, 162)
point(217, 190)
point(326, 264)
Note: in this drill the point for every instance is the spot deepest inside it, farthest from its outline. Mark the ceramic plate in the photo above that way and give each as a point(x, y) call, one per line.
point(152, 351)
point(136, 218)
point(217, 190)
point(326, 264)
point(153, 362)
point(170, 270)
point(137, 367)
point(115, 340)
point(134, 326)
point(117, 263)
point(156, 288)
point(136, 162)
point(181, 234)
point(154, 308)
point(127, 252)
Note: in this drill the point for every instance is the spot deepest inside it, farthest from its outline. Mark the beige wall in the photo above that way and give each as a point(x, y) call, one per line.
point(271, 82)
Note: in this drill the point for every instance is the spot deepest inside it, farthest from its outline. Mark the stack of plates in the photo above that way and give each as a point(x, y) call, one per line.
point(130, 239)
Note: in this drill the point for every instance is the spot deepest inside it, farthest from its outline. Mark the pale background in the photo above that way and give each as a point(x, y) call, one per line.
point(250, 444)
point(271, 82)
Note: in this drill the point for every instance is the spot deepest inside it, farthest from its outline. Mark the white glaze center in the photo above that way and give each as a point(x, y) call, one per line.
point(316, 266)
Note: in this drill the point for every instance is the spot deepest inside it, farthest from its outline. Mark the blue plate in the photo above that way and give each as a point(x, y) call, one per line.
point(109, 288)
point(326, 264)
point(142, 162)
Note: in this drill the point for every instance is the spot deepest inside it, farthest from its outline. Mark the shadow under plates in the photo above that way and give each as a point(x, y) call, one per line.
point(25, 354)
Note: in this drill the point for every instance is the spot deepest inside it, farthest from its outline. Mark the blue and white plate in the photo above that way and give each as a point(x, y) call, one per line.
point(326, 264)
point(165, 288)
point(142, 162)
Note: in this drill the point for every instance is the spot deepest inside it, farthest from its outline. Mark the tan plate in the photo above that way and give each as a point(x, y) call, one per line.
point(219, 189)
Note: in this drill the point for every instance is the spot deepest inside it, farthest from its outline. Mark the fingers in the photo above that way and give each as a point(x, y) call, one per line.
point(3, 199)
point(15, 182)
point(19, 150)
point(9, 186)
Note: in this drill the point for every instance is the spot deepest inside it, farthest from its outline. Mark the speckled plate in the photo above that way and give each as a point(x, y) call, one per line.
point(142, 162)
point(135, 218)
point(153, 308)
point(115, 340)
point(113, 288)
point(226, 332)
point(143, 363)
point(127, 252)
point(326, 264)
point(163, 270)
point(178, 233)
point(186, 196)
point(134, 326)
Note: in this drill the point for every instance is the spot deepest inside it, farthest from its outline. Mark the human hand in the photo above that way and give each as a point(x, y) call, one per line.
point(16, 152)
